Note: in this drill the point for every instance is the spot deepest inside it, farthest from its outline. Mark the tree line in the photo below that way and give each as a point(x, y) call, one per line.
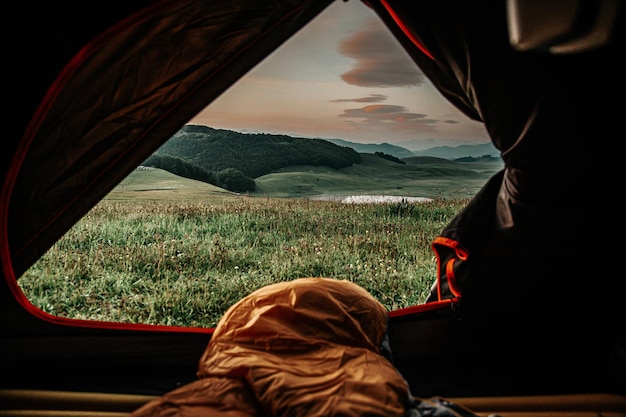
point(229, 178)
point(232, 160)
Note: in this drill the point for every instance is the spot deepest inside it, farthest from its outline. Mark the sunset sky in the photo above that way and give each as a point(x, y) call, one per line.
point(343, 76)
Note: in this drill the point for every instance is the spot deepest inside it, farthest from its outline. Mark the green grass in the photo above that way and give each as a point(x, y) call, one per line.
point(186, 263)
point(161, 249)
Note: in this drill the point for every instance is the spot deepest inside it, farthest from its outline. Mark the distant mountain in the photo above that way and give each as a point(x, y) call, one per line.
point(446, 151)
point(397, 151)
point(461, 151)
point(421, 144)
point(482, 158)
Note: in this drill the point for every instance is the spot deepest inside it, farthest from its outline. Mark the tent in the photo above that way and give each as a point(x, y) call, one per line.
point(528, 310)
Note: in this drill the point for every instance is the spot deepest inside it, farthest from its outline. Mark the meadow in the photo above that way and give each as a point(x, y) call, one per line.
point(164, 250)
point(186, 263)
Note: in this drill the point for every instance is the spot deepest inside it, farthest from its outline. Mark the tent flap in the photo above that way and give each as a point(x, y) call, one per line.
point(123, 94)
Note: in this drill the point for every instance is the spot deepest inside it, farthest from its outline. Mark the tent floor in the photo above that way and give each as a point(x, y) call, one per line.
point(39, 403)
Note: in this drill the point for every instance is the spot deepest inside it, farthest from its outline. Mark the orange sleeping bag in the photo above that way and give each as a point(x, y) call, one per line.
point(308, 347)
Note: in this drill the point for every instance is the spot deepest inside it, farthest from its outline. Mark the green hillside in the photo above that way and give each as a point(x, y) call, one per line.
point(254, 155)
point(156, 184)
point(419, 177)
point(283, 166)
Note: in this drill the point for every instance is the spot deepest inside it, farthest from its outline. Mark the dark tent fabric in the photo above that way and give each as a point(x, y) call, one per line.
point(93, 89)
point(539, 276)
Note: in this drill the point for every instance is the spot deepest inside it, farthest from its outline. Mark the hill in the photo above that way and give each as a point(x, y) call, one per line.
point(283, 166)
point(146, 183)
point(418, 177)
point(214, 150)
point(257, 154)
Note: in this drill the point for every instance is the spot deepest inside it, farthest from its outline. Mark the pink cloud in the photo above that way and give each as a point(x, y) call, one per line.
point(380, 61)
point(389, 117)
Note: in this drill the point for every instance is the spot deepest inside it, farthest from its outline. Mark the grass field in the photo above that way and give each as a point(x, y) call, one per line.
point(161, 249)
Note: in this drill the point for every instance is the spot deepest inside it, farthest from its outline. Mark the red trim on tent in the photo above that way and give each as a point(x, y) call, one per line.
point(421, 308)
point(461, 255)
point(416, 41)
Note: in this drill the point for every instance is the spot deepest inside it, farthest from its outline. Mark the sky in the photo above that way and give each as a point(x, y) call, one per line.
point(343, 76)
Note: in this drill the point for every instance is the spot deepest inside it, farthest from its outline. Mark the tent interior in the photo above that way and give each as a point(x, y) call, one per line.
point(528, 313)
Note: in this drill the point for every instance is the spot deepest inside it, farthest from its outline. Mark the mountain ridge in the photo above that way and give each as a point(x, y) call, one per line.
point(442, 151)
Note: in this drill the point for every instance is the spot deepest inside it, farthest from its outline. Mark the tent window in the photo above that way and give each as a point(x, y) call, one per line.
point(337, 113)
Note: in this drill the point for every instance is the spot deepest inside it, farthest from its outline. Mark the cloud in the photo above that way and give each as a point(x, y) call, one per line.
point(380, 60)
point(390, 117)
point(372, 98)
